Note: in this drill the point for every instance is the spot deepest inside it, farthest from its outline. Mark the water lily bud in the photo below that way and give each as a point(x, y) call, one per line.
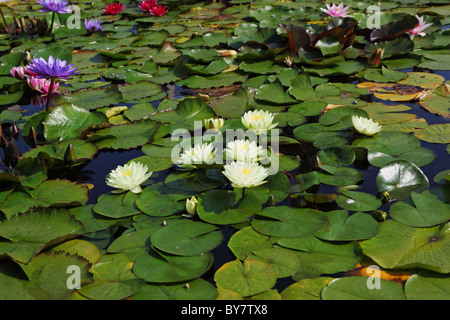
point(375, 58)
point(191, 206)
point(379, 215)
point(33, 136)
point(69, 155)
point(214, 123)
point(28, 56)
point(271, 201)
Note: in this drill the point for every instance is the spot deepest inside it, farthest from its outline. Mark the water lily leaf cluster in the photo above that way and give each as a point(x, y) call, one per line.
point(342, 199)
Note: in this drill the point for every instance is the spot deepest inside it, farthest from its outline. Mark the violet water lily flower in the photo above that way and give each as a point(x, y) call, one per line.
point(336, 11)
point(59, 6)
point(92, 25)
point(52, 69)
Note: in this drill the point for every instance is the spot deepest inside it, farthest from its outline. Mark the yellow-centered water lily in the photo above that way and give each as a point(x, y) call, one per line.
point(366, 126)
point(245, 174)
point(258, 120)
point(244, 150)
point(214, 123)
point(128, 177)
point(191, 206)
point(199, 154)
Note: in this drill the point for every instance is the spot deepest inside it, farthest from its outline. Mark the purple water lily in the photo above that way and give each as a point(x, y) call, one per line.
point(92, 25)
point(52, 69)
point(59, 6)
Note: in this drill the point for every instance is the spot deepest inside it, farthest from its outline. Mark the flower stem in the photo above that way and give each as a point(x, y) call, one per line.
point(4, 20)
point(49, 96)
point(53, 20)
point(243, 192)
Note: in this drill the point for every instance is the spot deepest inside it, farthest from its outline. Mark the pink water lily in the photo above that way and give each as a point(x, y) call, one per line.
point(419, 28)
point(338, 11)
point(42, 85)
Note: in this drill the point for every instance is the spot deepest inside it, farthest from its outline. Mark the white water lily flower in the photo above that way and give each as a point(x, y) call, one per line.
point(129, 177)
point(244, 150)
point(197, 155)
point(214, 123)
point(191, 206)
point(245, 174)
point(366, 126)
point(258, 121)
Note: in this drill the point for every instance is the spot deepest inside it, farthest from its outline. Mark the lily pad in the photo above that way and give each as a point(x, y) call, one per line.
point(288, 222)
point(399, 178)
point(401, 246)
point(356, 288)
point(247, 278)
point(187, 239)
point(159, 267)
point(428, 210)
point(344, 227)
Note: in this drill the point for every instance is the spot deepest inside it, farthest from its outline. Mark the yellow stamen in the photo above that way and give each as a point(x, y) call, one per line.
point(245, 171)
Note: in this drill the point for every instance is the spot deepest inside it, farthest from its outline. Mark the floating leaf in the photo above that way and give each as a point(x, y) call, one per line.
point(288, 222)
point(357, 288)
point(399, 178)
point(399, 246)
point(342, 227)
point(428, 211)
point(246, 278)
point(187, 239)
point(159, 267)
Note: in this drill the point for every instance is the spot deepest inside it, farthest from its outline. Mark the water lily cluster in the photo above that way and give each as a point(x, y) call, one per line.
point(43, 75)
point(242, 155)
point(148, 6)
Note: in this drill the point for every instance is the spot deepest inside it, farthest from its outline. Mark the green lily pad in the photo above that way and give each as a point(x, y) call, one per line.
point(436, 133)
point(189, 238)
point(50, 193)
point(391, 143)
point(49, 272)
point(306, 289)
point(154, 203)
point(67, 121)
point(225, 207)
point(420, 157)
point(342, 227)
point(246, 278)
point(91, 99)
point(197, 289)
point(125, 136)
point(399, 178)
point(428, 210)
point(117, 205)
point(159, 267)
point(358, 201)
point(288, 222)
point(321, 257)
point(30, 232)
point(247, 240)
point(400, 246)
point(427, 287)
point(284, 262)
point(356, 288)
